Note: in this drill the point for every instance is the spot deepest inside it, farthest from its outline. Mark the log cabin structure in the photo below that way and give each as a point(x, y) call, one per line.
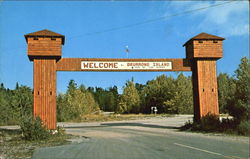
point(45, 50)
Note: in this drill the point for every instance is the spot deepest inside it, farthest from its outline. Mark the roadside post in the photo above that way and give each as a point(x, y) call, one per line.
point(155, 110)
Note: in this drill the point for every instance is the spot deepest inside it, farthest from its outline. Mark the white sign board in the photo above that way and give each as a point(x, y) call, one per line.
point(131, 65)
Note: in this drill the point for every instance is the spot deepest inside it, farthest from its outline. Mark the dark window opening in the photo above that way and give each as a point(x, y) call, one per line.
point(203, 90)
point(50, 92)
point(212, 90)
point(53, 38)
point(37, 92)
point(35, 38)
point(200, 41)
point(215, 41)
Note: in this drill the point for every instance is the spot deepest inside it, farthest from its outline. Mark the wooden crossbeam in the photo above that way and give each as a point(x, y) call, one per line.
point(74, 64)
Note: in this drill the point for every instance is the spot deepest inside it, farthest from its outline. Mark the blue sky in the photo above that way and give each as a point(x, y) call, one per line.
point(87, 24)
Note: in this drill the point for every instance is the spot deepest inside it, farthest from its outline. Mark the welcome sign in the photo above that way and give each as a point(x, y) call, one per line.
point(131, 65)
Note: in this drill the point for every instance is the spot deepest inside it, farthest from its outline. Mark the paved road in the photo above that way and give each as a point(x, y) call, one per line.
point(155, 138)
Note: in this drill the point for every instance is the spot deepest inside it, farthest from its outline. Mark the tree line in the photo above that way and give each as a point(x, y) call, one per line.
point(168, 94)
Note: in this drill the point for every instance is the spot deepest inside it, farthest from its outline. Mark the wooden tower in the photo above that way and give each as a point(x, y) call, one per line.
point(44, 49)
point(203, 50)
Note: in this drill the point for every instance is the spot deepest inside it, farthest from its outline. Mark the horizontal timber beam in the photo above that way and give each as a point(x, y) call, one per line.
point(96, 65)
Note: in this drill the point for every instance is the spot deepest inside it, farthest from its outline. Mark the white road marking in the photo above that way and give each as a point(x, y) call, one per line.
point(214, 153)
point(237, 157)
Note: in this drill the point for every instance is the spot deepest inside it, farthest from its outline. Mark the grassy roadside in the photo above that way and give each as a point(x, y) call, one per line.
point(13, 146)
point(117, 117)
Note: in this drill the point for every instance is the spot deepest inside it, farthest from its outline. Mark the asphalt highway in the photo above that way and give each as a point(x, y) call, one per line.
point(156, 138)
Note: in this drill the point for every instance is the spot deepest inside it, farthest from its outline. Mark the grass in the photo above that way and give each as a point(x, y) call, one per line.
point(117, 117)
point(13, 146)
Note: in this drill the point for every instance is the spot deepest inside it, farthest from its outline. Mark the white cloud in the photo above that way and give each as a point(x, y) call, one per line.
point(230, 19)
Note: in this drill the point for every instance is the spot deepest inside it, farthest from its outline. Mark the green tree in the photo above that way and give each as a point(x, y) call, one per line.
point(140, 89)
point(63, 103)
point(2, 86)
point(114, 97)
point(181, 101)
point(130, 99)
point(107, 99)
point(157, 92)
point(82, 88)
point(72, 86)
point(21, 101)
point(14, 104)
point(5, 109)
point(75, 103)
point(100, 97)
point(226, 90)
point(62, 108)
point(184, 89)
point(238, 106)
point(17, 85)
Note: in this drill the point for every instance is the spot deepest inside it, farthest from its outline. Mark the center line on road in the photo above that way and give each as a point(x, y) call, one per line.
point(214, 153)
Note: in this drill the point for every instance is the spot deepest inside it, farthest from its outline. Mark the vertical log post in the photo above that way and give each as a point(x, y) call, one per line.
point(203, 50)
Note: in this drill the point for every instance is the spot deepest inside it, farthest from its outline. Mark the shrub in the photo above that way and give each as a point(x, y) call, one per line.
point(244, 128)
point(33, 129)
point(188, 125)
point(228, 124)
point(209, 122)
point(60, 131)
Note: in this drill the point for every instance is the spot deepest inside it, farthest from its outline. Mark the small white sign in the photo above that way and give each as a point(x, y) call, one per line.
point(133, 65)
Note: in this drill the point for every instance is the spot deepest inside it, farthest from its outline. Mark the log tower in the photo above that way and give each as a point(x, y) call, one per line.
point(44, 49)
point(203, 50)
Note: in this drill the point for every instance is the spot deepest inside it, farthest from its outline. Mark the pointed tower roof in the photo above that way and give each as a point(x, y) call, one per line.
point(45, 33)
point(204, 36)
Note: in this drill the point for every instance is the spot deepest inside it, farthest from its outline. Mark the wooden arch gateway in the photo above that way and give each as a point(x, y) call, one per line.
point(45, 50)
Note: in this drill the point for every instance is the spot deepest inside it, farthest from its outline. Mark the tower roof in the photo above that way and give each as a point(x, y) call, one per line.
point(45, 33)
point(204, 36)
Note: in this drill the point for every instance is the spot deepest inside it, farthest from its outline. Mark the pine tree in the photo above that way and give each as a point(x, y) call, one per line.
point(17, 85)
point(72, 86)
